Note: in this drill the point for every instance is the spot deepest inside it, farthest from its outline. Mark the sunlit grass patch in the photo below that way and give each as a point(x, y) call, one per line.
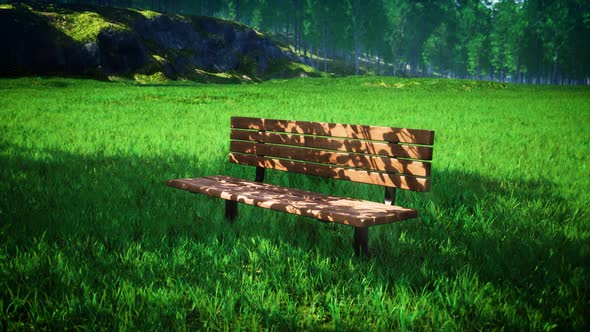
point(157, 77)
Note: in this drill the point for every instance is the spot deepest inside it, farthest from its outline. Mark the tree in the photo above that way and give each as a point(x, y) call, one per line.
point(354, 13)
point(506, 38)
point(396, 14)
point(436, 52)
point(472, 38)
point(375, 27)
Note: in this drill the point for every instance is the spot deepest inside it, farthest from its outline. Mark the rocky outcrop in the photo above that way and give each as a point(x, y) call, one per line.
point(174, 46)
point(31, 46)
point(210, 44)
point(118, 52)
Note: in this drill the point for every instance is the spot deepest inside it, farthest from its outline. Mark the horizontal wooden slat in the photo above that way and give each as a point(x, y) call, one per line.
point(371, 177)
point(348, 145)
point(414, 136)
point(335, 158)
point(324, 207)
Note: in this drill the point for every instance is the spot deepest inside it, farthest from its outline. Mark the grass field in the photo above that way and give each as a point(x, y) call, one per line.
point(91, 238)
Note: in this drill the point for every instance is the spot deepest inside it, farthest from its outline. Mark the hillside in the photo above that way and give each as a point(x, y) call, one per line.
point(110, 43)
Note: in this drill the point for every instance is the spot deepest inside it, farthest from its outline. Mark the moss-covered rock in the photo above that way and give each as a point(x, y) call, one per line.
point(143, 45)
point(82, 27)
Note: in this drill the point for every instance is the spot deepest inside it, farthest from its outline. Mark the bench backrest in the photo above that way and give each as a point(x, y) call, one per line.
point(393, 157)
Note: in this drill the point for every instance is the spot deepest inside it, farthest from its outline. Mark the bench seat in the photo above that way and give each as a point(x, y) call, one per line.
point(349, 211)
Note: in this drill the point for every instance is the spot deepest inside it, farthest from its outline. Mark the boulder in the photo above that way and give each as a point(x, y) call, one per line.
point(168, 33)
point(121, 52)
point(172, 45)
point(31, 46)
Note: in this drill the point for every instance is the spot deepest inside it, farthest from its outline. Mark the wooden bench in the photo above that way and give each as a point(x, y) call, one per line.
point(389, 157)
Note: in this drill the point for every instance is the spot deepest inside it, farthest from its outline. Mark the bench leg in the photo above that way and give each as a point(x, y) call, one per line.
point(231, 210)
point(361, 241)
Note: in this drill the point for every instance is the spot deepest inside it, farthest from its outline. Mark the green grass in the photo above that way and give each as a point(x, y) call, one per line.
point(91, 238)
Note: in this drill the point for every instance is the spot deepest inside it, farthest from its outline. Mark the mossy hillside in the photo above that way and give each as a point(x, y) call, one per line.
point(82, 27)
point(83, 24)
point(198, 21)
point(290, 69)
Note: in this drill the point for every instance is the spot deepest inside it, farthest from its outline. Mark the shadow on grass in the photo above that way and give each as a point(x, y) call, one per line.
point(519, 236)
point(60, 195)
point(473, 214)
point(473, 218)
point(511, 233)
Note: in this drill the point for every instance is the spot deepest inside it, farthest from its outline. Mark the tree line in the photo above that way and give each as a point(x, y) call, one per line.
point(527, 41)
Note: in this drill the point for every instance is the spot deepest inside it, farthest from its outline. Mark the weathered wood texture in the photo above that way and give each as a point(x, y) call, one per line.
point(378, 178)
point(342, 210)
point(369, 154)
point(336, 144)
point(335, 158)
point(395, 135)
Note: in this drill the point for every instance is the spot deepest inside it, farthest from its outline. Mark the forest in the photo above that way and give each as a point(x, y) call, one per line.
point(530, 41)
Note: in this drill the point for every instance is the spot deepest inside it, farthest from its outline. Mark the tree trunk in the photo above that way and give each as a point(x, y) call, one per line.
point(394, 59)
point(325, 58)
point(333, 55)
point(287, 27)
point(478, 70)
point(300, 31)
point(554, 73)
point(414, 62)
point(356, 61)
point(298, 24)
point(324, 37)
point(298, 43)
point(539, 63)
point(356, 53)
point(378, 65)
point(379, 56)
point(236, 10)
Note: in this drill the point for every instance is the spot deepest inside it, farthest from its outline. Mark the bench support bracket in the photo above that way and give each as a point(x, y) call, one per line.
point(389, 196)
point(361, 234)
point(361, 241)
point(231, 210)
point(259, 174)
